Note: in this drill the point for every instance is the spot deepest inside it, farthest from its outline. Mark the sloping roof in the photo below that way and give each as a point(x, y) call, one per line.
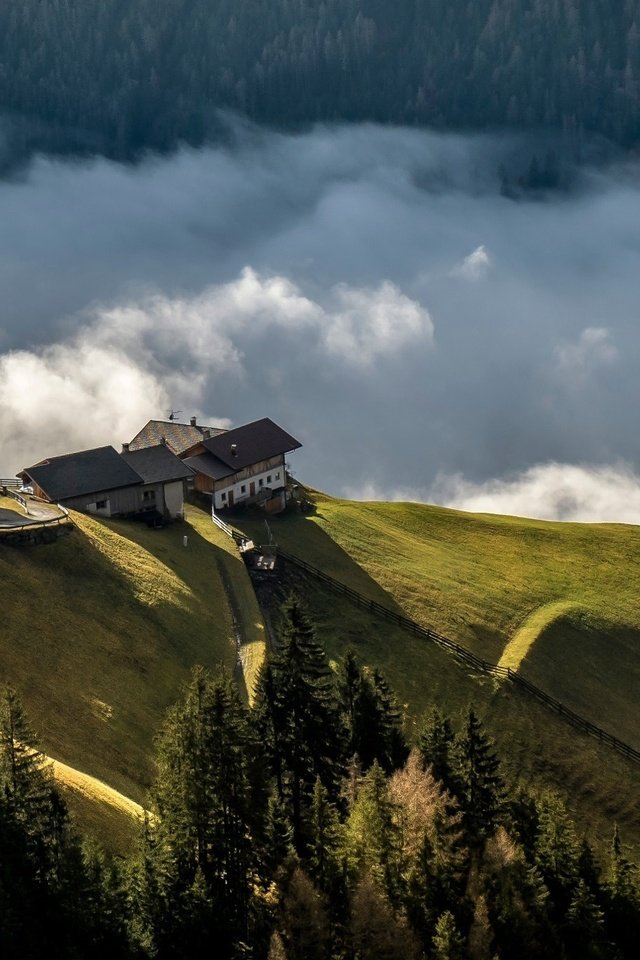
point(157, 464)
point(251, 443)
point(179, 436)
point(209, 465)
point(77, 474)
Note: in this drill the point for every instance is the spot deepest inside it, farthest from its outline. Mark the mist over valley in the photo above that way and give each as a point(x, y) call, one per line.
point(368, 287)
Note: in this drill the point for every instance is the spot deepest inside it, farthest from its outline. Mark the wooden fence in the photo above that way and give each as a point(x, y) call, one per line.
point(230, 532)
point(484, 666)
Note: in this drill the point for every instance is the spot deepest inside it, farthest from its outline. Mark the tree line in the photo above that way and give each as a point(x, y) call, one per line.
point(121, 77)
point(308, 827)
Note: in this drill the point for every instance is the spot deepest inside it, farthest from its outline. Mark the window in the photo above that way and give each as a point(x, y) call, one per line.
point(101, 504)
point(269, 479)
point(260, 482)
point(278, 475)
point(148, 494)
point(223, 496)
point(243, 488)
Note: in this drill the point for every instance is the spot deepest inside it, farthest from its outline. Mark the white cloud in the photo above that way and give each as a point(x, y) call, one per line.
point(475, 266)
point(69, 397)
point(592, 350)
point(552, 491)
point(128, 363)
point(369, 323)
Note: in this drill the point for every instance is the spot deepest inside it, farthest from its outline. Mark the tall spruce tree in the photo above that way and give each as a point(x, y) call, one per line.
point(436, 743)
point(298, 718)
point(480, 788)
point(373, 717)
point(622, 898)
point(196, 868)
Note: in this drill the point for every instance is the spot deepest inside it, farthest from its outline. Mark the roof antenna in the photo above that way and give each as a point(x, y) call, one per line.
point(174, 414)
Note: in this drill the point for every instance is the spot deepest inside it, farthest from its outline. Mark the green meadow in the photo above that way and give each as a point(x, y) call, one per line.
point(100, 629)
point(559, 602)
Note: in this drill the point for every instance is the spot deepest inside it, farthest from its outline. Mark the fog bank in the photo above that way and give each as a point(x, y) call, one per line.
point(368, 288)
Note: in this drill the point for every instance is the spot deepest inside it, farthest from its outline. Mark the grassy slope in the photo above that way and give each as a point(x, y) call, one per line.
point(565, 590)
point(99, 630)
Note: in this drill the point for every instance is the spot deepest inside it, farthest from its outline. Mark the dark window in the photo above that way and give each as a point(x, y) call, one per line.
point(148, 494)
point(243, 488)
point(260, 482)
point(101, 504)
point(269, 479)
point(223, 496)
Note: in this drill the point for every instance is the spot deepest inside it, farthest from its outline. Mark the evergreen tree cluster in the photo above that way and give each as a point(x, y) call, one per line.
point(308, 828)
point(124, 76)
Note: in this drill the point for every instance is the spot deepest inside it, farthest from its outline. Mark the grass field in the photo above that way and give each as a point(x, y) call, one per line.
point(557, 601)
point(100, 629)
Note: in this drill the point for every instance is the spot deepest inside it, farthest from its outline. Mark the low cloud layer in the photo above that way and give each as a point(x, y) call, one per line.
point(368, 288)
point(553, 491)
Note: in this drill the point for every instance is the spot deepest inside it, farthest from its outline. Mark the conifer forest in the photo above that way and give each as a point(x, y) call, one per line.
point(310, 827)
point(120, 78)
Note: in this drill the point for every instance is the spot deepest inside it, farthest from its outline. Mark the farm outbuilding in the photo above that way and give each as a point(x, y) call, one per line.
point(105, 483)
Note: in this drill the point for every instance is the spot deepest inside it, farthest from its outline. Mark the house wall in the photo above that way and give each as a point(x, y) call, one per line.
point(123, 500)
point(203, 483)
point(271, 472)
point(174, 498)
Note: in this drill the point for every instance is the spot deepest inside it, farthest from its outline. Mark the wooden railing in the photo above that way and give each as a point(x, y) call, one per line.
point(485, 666)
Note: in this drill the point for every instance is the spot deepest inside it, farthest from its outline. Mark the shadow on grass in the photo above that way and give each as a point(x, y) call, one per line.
point(98, 664)
point(593, 668)
point(301, 537)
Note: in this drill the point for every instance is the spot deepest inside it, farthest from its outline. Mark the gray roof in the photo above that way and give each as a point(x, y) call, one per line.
point(179, 436)
point(157, 464)
point(78, 474)
point(209, 465)
point(251, 443)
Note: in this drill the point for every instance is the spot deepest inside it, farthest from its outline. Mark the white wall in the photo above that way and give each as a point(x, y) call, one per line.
point(174, 498)
point(277, 475)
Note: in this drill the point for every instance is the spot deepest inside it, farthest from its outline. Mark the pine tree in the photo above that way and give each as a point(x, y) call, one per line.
point(377, 933)
point(517, 900)
point(297, 717)
point(557, 851)
point(480, 934)
point(193, 877)
point(325, 833)
point(448, 944)
point(373, 837)
point(622, 898)
point(436, 743)
point(305, 925)
point(373, 717)
point(481, 789)
point(584, 928)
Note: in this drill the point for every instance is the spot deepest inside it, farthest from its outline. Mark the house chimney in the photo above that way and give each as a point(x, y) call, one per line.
point(193, 421)
point(163, 441)
point(125, 448)
point(234, 449)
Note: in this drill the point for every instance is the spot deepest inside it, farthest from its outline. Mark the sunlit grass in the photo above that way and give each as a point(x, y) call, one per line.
point(559, 601)
point(100, 629)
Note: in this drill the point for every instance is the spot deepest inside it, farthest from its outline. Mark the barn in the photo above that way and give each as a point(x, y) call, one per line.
point(105, 483)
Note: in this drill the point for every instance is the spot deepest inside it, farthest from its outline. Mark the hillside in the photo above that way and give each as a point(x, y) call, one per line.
point(100, 629)
point(557, 601)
